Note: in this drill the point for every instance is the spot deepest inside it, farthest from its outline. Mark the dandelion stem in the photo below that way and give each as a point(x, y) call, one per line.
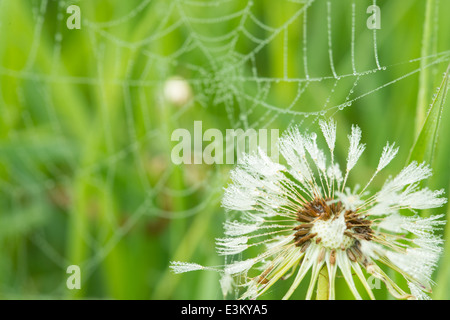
point(323, 284)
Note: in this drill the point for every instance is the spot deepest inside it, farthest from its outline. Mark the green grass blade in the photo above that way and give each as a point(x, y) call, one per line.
point(425, 144)
point(427, 50)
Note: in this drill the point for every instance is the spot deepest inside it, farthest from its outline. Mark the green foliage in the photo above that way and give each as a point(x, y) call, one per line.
point(85, 171)
point(426, 143)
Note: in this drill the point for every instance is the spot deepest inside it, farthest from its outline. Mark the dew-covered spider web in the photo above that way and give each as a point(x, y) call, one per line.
point(87, 123)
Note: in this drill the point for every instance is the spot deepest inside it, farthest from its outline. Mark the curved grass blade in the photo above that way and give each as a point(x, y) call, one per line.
point(425, 144)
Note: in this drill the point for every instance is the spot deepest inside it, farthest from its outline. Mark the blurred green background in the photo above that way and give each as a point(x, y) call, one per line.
point(86, 176)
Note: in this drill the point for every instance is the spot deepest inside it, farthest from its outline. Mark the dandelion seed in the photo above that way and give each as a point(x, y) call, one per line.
point(389, 152)
point(356, 149)
point(180, 267)
point(329, 132)
point(304, 218)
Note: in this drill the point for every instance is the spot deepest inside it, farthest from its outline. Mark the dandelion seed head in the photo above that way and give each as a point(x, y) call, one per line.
point(302, 217)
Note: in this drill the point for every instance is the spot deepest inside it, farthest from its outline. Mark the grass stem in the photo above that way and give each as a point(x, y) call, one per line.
point(323, 284)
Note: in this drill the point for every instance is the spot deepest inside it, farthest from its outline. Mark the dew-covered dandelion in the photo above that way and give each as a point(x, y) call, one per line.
point(303, 218)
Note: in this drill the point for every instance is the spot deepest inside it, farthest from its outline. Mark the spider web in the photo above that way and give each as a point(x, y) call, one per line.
point(225, 51)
